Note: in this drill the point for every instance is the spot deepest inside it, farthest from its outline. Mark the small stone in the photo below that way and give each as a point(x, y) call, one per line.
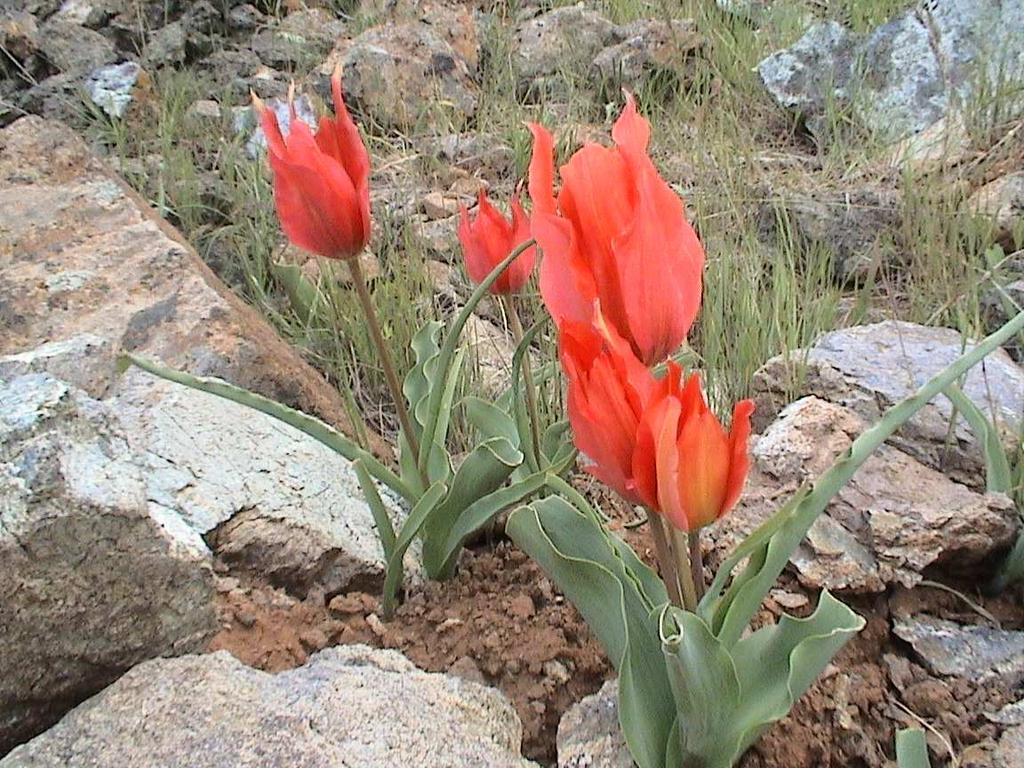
point(789, 600)
point(313, 639)
point(466, 668)
point(112, 88)
point(556, 671)
point(204, 109)
point(246, 618)
point(521, 607)
point(376, 625)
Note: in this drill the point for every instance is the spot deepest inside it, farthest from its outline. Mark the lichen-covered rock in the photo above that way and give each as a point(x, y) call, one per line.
point(906, 74)
point(348, 706)
point(95, 579)
point(871, 367)
point(397, 73)
point(560, 43)
point(892, 522)
point(589, 735)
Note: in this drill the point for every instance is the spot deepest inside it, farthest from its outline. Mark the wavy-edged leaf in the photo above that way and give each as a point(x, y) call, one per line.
point(481, 473)
point(303, 422)
point(582, 558)
point(410, 528)
point(490, 420)
point(450, 344)
point(419, 379)
point(482, 511)
point(706, 689)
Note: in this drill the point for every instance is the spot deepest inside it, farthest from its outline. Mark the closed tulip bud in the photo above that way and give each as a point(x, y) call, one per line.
point(489, 238)
point(321, 181)
point(616, 234)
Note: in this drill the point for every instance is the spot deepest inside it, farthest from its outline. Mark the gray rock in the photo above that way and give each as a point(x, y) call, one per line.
point(558, 44)
point(267, 498)
point(650, 48)
point(84, 359)
point(93, 581)
point(906, 74)
point(818, 67)
point(589, 735)
point(475, 153)
point(302, 38)
point(166, 47)
point(348, 706)
point(850, 223)
point(871, 367)
point(974, 652)
point(397, 73)
point(895, 520)
point(1002, 201)
point(73, 48)
point(111, 87)
point(1009, 751)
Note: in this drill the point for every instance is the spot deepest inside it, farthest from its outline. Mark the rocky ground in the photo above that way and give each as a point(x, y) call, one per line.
point(145, 529)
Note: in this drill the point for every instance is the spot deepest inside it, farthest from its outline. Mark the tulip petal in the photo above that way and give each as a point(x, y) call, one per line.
point(660, 264)
point(542, 170)
point(664, 428)
point(566, 284)
point(631, 131)
point(739, 435)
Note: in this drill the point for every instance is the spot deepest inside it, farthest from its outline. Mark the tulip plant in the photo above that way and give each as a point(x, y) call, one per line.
point(620, 276)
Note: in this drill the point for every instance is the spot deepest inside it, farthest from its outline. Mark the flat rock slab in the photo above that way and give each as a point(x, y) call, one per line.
point(895, 520)
point(82, 255)
point(973, 652)
point(349, 706)
point(92, 583)
point(869, 368)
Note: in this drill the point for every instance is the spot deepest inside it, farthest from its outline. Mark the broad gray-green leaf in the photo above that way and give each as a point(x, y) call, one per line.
point(490, 420)
point(706, 690)
point(587, 564)
point(420, 379)
point(998, 475)
point(385, 530)
point(912, 749)
point(481, 472)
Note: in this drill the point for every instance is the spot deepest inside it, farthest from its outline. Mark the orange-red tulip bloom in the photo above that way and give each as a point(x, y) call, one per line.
point(618, 234)
point(608, 391)
point(685, 466)
point(322, 181)
point(489, 238)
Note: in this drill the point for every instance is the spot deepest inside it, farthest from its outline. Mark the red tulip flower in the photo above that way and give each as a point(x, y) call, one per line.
point(618, 234)
point(608, 392)
point(686, 466)
point(490, 238)
point(321, 182)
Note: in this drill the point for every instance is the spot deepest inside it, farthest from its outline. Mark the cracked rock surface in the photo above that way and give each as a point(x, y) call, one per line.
point(348, 706)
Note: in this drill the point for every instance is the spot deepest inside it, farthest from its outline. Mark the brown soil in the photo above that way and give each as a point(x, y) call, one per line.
point(501, 621)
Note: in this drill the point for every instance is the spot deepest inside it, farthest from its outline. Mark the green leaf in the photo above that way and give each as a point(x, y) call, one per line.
point(483, 471)
point(556, 441)
point(729, 609)
point(410, 528)
point(305, 423)
point(303, 295)
point(481, 512)
point(385, 530)
point(912, 749)
point(999, 476)
point(706, 690)
point(448, 347)
point(419, 379)
point(490, 420)
point(609, 589)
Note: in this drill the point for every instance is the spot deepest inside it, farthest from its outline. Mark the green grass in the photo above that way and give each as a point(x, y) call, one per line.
point(764, 294)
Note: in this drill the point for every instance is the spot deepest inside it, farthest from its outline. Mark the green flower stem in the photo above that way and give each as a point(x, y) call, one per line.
point(531, 389)
point(696, 562)
point(681, 547)
point(370, 312)
point(666, 561)
point(451, 341)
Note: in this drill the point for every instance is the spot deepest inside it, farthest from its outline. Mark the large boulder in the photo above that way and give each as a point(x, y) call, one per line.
point(349, 706)
point(906, 74)
point(82, 254)
point(871, 367)
point(95, 578)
